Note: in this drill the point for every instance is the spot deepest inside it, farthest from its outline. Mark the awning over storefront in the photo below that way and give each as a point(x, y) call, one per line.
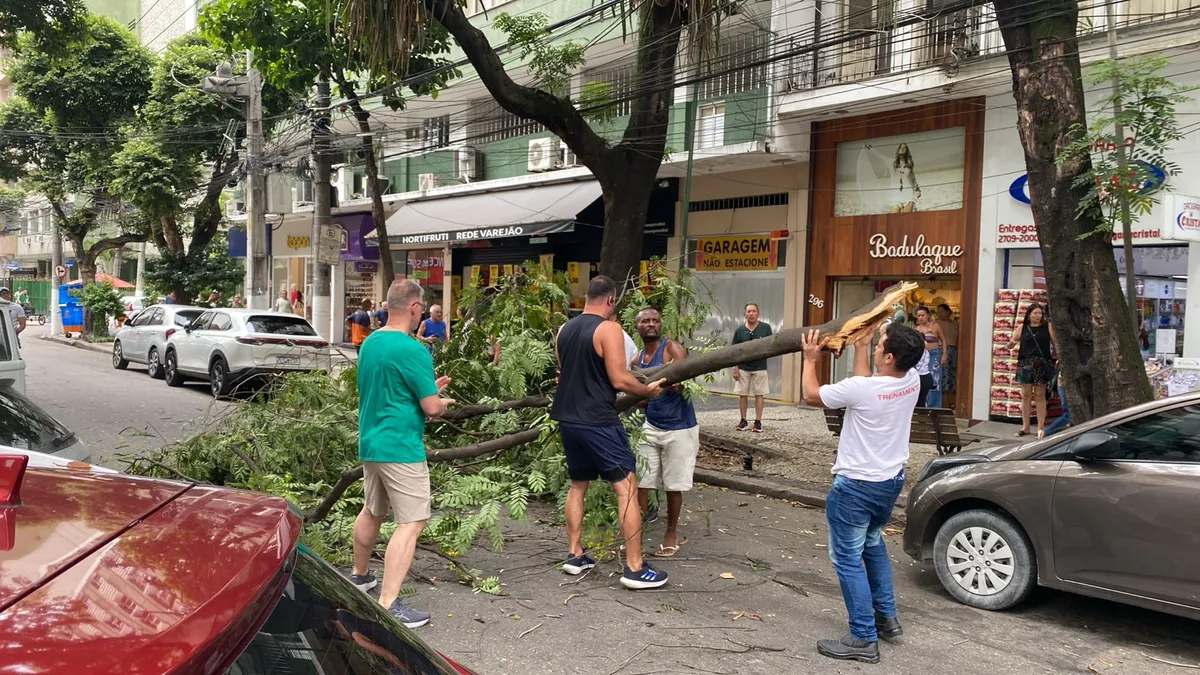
point(524, 212)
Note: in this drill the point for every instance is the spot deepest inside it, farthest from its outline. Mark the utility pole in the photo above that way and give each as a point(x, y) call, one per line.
point(248, 88)
point(322, 214)
point(139, 286)
point(256, 206)
point(1122, 176)
point(56, 260)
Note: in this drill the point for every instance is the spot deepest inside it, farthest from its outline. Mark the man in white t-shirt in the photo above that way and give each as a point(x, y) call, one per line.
point(867, 478)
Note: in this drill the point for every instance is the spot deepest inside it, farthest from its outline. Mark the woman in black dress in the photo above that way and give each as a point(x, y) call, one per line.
point(1034, 341)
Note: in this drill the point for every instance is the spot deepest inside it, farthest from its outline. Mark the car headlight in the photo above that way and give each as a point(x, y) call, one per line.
point(939, 464)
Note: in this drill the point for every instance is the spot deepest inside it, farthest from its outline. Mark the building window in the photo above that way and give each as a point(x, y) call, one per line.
point(738, 66)
point(710, 126)
point(490, 122)
point(435, 132)
point(618, 80)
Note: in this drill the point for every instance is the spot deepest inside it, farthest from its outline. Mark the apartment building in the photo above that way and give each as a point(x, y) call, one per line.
point(918, 172)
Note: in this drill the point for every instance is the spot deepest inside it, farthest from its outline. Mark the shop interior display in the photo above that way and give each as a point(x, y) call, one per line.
point(1004, 400)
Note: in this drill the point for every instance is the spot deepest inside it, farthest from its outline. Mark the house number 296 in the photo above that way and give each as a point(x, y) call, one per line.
point(815, 301)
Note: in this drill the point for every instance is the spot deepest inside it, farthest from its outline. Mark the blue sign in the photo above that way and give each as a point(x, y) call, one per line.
point(12, 265)
point(1019, 189)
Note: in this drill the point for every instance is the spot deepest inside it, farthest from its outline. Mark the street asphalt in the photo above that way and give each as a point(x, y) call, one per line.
point(113, 411)
point(751, 591)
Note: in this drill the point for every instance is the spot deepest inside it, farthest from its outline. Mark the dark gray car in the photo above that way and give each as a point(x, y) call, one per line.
point(1107, 509)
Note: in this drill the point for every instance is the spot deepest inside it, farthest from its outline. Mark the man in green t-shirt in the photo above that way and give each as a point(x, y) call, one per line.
point(397, 390)
point(750, 378)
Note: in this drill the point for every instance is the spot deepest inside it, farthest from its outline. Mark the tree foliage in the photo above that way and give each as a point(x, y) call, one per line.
point(194, 275)
point(66, 121)
point(104, 303)
point(1148, 102)
point(52, 23)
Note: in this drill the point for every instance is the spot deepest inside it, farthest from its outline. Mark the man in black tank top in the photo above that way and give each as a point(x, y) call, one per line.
point(592, 369)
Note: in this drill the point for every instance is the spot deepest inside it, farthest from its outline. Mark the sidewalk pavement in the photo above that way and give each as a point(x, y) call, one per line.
point(751, 592)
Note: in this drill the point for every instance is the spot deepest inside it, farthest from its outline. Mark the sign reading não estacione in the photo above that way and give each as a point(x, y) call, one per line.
point(931, 255)
point(749, 252)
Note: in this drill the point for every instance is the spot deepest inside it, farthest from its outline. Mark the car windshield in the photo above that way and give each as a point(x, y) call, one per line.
point(279, 325)
point(185, 316)
point(323, 624)
point(25, 426)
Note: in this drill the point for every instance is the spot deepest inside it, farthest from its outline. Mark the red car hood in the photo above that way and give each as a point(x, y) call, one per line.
point(111, 573)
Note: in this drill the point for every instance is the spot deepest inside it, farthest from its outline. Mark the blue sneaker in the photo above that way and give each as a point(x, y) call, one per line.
point(645, 578)
point(411, 618)
point(364, 582)
point(578, 564)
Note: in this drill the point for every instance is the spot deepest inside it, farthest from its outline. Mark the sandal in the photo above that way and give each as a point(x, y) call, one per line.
point(1023, 432)
point(669, 551)
point(1041, 434)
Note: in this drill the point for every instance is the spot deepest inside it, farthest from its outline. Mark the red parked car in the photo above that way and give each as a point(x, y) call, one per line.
point(108, 573)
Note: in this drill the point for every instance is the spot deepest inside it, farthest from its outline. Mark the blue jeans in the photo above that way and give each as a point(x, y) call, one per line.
point(934, 399)
point(856, 511)
point(1063, 419)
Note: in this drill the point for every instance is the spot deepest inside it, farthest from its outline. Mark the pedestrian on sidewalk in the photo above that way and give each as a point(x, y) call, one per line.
point(868, 476)
point(750, 378)
point(433, 329)
point(16, 313)
point(935, 344)
point(592, 368)
point(360, 323)
point(670, 434)
point(1064, 420)
point(926, 379)
point(397, 390)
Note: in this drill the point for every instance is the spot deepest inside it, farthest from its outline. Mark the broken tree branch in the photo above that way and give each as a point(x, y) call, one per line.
point(469, 411)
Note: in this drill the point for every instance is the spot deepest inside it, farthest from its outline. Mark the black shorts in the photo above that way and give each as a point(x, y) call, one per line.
point(597, 452)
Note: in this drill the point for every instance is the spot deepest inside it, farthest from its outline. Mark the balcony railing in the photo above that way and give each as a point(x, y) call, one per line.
point(859, 40)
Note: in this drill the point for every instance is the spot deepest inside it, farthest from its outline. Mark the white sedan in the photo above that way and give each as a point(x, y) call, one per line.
point(229, 347)
point(143, 339)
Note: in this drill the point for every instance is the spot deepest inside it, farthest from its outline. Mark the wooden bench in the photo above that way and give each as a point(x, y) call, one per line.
point(930, 426)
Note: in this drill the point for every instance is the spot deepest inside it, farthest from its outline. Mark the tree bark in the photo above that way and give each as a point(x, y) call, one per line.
point(626, 172)
point(1099, 356)
point(386, 267)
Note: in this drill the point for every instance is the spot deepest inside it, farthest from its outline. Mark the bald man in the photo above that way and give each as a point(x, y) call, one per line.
point(434, 328)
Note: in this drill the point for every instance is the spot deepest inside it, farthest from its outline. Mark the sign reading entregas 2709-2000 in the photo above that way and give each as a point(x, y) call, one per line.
point(737, 253)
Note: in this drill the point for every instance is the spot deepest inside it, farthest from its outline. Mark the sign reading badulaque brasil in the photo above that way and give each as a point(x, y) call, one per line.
point(931, 255)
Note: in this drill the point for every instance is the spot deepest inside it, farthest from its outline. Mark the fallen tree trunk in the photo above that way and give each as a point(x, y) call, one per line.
point(841, 332)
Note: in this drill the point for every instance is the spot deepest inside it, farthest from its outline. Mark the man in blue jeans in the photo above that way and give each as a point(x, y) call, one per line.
point(1064, 420)
point(867, 478)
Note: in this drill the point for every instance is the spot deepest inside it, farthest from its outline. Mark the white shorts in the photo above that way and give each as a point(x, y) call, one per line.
point(670, 458)
point(751, 383)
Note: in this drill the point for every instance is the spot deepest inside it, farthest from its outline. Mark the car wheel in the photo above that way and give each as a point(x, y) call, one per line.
point(218, 378)
point(119, 361)
point(154, 364)
point(171, 371)
point(985, 560)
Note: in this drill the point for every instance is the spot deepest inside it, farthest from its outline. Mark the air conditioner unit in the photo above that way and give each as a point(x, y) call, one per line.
point(467, 165)
point(235, 208)
point(427, 181)
point(544, 154)
point(568, 157)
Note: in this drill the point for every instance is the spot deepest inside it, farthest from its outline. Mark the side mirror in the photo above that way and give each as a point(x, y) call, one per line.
point(1093, 445)
point(188, 329)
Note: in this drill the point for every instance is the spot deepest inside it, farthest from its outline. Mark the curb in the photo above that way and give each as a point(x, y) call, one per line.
point(80, 344)
point(770, 486)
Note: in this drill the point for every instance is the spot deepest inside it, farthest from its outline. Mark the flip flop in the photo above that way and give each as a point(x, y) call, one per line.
point(1022, 433)
point(668, 551)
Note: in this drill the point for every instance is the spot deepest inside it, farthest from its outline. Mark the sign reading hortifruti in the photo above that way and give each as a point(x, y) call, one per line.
point(747, 252)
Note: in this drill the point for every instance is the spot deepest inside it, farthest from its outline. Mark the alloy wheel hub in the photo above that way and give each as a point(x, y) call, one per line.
point(980, 560)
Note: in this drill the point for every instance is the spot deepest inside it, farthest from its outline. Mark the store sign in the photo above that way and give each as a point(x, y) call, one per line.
point(934, 258)
point(485, 233)
point(1183, 218)
point(756, 252)
point(1155, 178)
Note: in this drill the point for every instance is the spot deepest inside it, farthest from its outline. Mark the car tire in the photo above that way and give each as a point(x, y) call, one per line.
point(218, 378)
point(171, 370)
point(118, 356)
point(1009, 570)
point(154, 366)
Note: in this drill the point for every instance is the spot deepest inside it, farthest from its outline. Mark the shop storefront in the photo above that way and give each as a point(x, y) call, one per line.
point(896, 198)
point(357, 275)
point(478, 237)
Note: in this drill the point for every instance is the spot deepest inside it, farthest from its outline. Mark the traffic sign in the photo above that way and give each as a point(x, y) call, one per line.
point(60, 271)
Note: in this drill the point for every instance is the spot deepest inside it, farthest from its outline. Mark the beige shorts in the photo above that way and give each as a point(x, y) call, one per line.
point(751, 383)
point(670, 458)
point(403, 487)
